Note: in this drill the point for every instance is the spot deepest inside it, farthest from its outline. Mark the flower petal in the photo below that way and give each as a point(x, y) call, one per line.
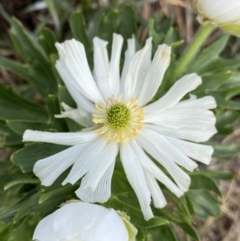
point(174, 154)
point(149, 166)
point(137, 71)
point(201, 153)
point(206, 102)
point(149, 140)
point(44, 230)
point(101, 65)
point(193, 118)
point(103, 190)
point(111, 228)
point(114, 72)
point(136, 178)
point(129, 54)
point(98, 169)
point(175, 94)
point(60, 138)
point(80, 116)
point(159, 200)
point(77, 218)
point(184, 133)
point(155, 74)
point(50, 168)
point(77, 95)
point(94, 150)
point(72, 53)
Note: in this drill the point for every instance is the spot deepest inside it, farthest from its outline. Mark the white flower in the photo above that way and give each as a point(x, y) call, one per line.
point(224, 13)
point(77, 221)
point(122, 121)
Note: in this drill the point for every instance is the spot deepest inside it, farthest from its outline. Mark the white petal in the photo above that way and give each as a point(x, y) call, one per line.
point(103, 190)
point(114, 65)
point(175, 94)
point(77, 95)
point(174, 154)
point(73, 54)
point(221, 12)
point(101, 66)
point(206, 102)
point(111, 228)
point(94, 150)
point(101, 164)
point(155, 171)
point(149, 140)
point(201, 153)
point(159, 200)
point(193, 118)
point(44, 230)
point(136, 178)
point(184, 133)
point(80, 116)
point(60, 138)
point(129, 54)
point(137, 71)
point(50, 168)
point(77, 218)
point(155, 74)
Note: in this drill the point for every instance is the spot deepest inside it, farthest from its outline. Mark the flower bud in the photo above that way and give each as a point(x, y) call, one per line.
point(222, 13)
point(77, 221)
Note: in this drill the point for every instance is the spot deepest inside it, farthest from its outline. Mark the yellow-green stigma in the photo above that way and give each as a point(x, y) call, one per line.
point(119, 121)
point(118, 115)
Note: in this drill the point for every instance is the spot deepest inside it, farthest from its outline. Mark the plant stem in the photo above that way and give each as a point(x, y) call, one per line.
point(192, 49)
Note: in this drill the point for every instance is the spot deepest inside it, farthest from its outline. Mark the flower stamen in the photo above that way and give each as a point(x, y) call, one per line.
point(121, 121)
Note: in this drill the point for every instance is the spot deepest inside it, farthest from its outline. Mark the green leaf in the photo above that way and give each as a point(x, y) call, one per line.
point(135, 214)
point(108, 24)
point(183, 225)
point(228, 104)
point(20, 181)
point(57, 193)
point(8, 212)
point(200, 181)
point(128, 24)
point(225, 121)
point(208, 55)
point(171, 37)
point(32, 53)
point(224, 150)
point(53, 109)
point(164, 232)
point(26, 158)
point(221, 64)
point(212, 82)
point(13, 107)
point(218, 175)
point(47, 40)
point(204, 204)
point(78, 27)
point(19, 126)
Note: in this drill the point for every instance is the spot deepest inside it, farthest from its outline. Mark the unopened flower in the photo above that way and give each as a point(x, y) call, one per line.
point(78, 221)
point(222, 13)
point(119, 118)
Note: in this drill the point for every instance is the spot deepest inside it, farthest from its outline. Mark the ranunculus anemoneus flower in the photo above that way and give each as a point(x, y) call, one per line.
point(223, 13)
point(119, 118)
point(78, 221)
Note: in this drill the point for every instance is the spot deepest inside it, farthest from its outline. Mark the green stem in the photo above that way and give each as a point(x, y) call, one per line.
point(192, 49)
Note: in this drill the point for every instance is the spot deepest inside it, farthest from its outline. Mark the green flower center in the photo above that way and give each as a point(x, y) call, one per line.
point(118, 115)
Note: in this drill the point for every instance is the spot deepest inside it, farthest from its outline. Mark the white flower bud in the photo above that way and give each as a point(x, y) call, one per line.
point(223, 13)
point(79, 221)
